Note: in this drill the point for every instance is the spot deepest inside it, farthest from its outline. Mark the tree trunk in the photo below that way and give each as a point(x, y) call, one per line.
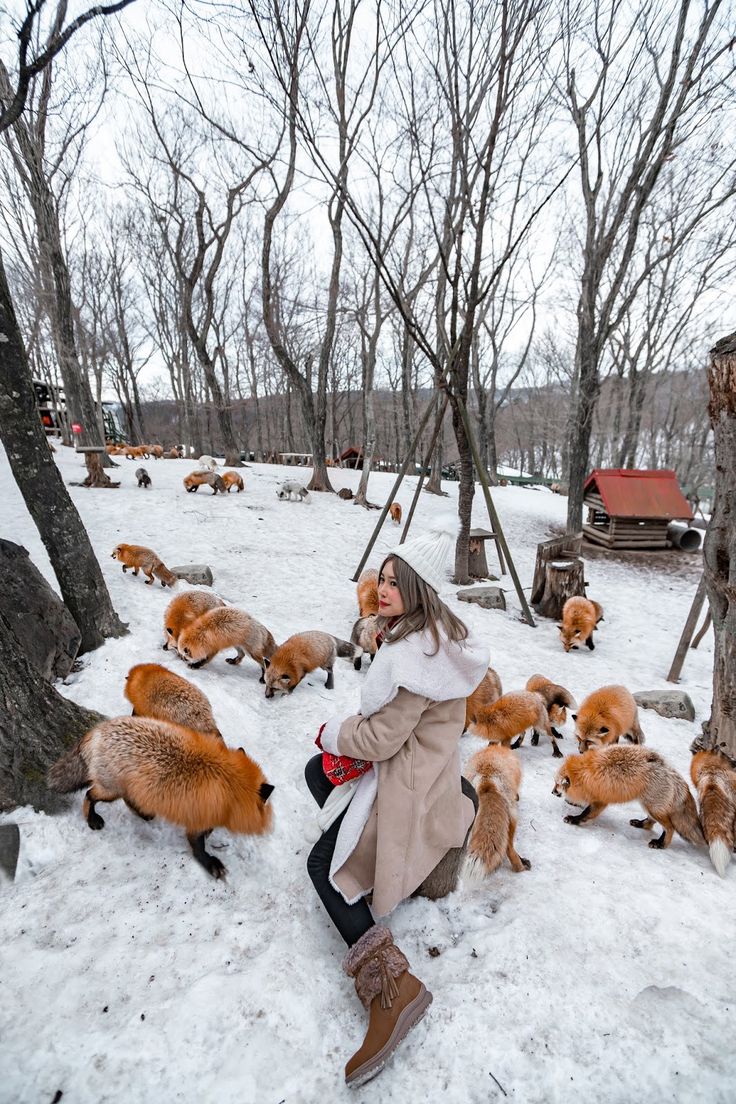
point(57, 284)
point(60, 526)
point(37, 725)
point(720, 551)
point(633, 428)
point(96, 475)
point(222, 407)
point(580, 424)
point(465, 498)
point(434, 483)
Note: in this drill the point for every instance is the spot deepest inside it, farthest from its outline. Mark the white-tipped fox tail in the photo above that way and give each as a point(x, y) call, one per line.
point(474, 870)
point(720, 856)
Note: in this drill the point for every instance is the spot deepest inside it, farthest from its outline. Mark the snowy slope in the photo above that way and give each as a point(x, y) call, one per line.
point(603, 973)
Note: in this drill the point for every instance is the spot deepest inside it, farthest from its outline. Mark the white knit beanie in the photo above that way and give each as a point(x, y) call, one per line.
point(428, 554)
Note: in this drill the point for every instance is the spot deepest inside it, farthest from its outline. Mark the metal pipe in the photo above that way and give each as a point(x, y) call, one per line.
point(683, 536)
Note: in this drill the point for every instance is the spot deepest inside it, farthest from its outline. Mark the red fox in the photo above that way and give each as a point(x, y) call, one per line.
point(395, 512)
point(486, 692)
point(198, 479)
point(580, 617)
point(133, 452)
point(184, 609)
point(605, 716)
point(496, 774)
point(510, 716)
point(137, 557)
point(226, 628)
point(557, 700)
point(155, 692)
point(232, 479)
point(614, 775)
point(162, 769)
point(715, 780)
point(364, 635)
point(302, 653)
point(156, 451)
point(368, 592)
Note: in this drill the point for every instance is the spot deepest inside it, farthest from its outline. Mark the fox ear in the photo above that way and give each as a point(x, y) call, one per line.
point(264, 791)
point(266, 661)
point(603, 729)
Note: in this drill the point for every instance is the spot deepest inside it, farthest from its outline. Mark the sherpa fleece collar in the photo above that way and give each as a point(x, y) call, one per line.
point(454, 672)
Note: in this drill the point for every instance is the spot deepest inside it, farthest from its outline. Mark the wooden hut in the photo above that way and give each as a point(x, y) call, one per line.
point(352, 457)
point(632, 509)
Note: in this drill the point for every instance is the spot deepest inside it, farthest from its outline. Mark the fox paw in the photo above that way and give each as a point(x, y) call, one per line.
point(214, 867)
point(657, 844)
point(95, 821)
point(556, 753)
point(572, 820)
point(535, 739)
point(526, 864)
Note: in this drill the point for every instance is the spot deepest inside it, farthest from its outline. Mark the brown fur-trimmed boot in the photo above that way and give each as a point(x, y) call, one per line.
point(395, 1000)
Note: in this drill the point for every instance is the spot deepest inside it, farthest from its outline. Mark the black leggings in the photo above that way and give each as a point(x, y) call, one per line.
point(351, 921)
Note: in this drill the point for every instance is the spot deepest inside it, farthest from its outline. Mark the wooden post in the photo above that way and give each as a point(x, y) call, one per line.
point(687, 632)
point(493, 516)
point(394, 489)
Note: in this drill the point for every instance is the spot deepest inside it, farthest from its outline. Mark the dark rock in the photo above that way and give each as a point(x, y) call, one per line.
point(47, 632)
point(196, 574)
point(668, 703)
point(486, 597)
point(9, 848)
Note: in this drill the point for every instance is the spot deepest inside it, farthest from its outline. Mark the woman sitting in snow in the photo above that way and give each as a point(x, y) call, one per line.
point(392, 803)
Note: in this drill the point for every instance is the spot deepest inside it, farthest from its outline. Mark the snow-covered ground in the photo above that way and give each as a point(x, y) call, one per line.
point(605, 973)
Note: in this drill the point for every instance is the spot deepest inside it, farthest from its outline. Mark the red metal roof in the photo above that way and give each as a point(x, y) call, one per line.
point(627, 492)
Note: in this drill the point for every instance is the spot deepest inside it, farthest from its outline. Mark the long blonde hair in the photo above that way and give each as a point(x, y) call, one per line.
point(423, 608)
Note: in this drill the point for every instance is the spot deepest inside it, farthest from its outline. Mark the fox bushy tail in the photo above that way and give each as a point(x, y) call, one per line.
point(685, 820)
point(488, 842)
point(717, 816)
point(346, 650)
point(68, 773)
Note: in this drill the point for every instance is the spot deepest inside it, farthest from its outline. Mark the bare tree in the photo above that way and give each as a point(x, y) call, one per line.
point(38, 46)
point(37, 722)
point(642, 88)
point(42, 167)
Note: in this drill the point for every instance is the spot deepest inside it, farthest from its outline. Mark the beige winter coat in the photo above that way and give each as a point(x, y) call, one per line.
point(420, 811)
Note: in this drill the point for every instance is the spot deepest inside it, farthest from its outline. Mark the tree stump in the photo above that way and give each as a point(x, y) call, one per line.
point(477, 562)
point(96, 475)
point(560, 550)
point(563, 579)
